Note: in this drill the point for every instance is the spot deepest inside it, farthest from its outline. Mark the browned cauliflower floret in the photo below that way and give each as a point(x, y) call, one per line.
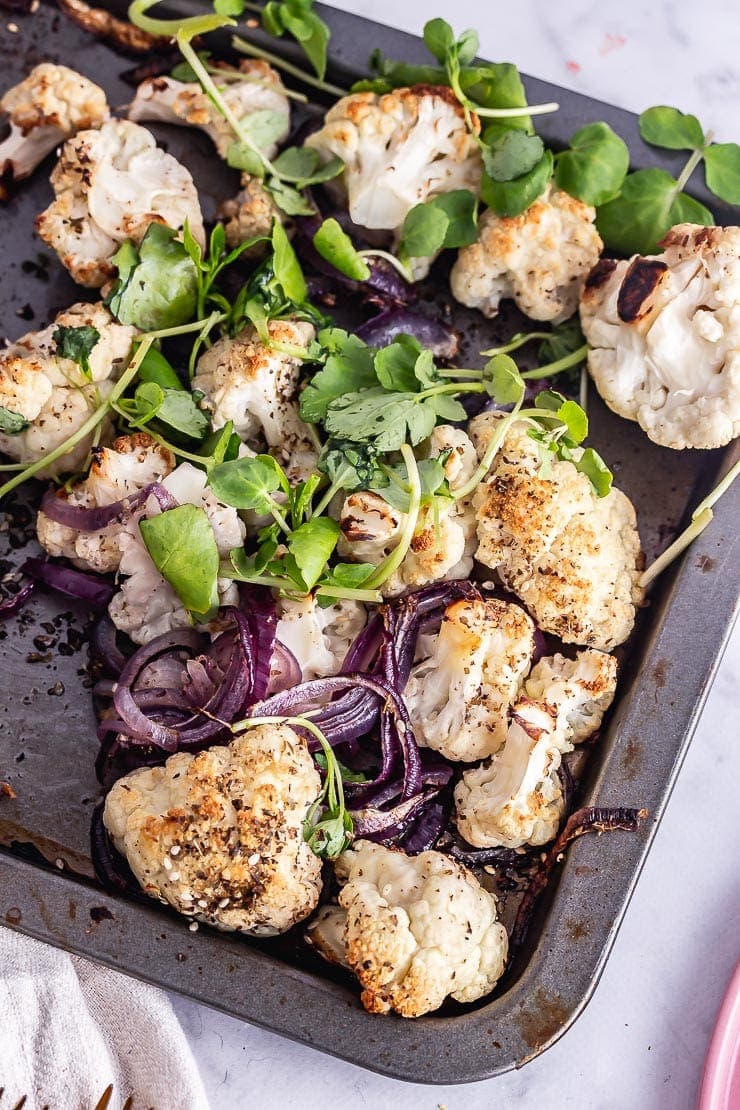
point(399, 149)
point(110, 185)
point(540, 258)
point(49, 106)
point(249, 214)
point(259, 91)
point(459, 698)
point(516, 798)
point(573, 558)
point(256, 387)
point(415, 930)
point(219, 835)
point(664, 334)
point(130, 464)
point(52, 394)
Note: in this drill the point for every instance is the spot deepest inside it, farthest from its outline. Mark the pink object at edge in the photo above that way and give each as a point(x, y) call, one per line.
point(720, 1084)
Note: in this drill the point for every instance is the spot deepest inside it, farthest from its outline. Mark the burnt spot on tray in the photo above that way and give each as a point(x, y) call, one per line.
point(13, 915)
point(638, 285)
point(547, 1016)
point(632, 761)
point(100, 913)
point(705, 563)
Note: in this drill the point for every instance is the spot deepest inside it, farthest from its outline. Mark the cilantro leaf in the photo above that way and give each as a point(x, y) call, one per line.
point(76, 344)
point(348, 368)
point(384, 419)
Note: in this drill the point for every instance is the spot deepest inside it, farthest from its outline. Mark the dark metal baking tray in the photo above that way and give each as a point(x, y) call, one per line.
point(47, 735)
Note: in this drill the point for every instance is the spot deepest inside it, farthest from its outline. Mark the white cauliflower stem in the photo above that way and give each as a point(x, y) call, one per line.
point(516, 798)
point(317, 636)
point(146, 604)
point(459, 698)
point(219, 835)
point(170, 101)
point(256, 387)
point(664, 334)
point(49, 106)
point(573, 558)
point(124, 468)
point(110, 185)
point(53, 394)
point(415, 930)
point(399, 149)
point(539, 258)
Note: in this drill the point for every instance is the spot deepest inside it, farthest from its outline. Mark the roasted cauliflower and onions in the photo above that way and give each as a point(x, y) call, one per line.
point(166, 100)
point(256, 387)
point(219, 835)
point(50, 105)
point(414, 930)
point(52, 395)
point(664, 337)
point(318, 637)
point(540, 259)
point(110, 185)
point(249, 214)
point(516, 797)
point(573, 558)
point(399, 149)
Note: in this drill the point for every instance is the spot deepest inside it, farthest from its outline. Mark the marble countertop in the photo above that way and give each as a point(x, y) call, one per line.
point(641, 1042)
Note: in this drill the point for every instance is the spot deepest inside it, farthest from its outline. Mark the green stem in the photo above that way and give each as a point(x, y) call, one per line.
point(683, 178)
point(700, 518)
point(279, 519)
point(453, 387)
point(373, 597)
point(490, 453)
point(557, 367)
point(516, 341)
point(248, 48)
point(512, 113)
point(395, 262)
point(169, 28)
point(583, 389)
point(396, 557)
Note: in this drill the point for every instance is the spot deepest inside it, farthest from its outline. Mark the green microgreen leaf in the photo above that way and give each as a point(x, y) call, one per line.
point(286, 267)
point(337, 248)
point(722, 168)
point(11, 423)
point(348, 368)
point(648, 205)
point(311, 545)
point(510, 153)
point(155, 368)
point(183, 549)
point(249, 483)
point(669, 128)
point(598, 473)
point(307, 28)
point(510, 198)
point(157, 285)
point(503, 380)
point(594, 166)
point(76, 344)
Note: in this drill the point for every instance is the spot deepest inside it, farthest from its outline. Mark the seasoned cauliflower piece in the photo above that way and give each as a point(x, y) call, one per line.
point(167, 100)
point(53, 394)
point(219, 835)
point(573, 558)
point(415, 930)
point(462, 460)
point(110, 185)
point(459, 698)
point(146, 604)
point(249, 214)
point(319, 637)
point(399, 149)
point(540, 258)
point(46, 108)
point(116, 472)
point(664, 337)
point(440, 549)
point(256, 387)
point(579, 690)
point(516, 798)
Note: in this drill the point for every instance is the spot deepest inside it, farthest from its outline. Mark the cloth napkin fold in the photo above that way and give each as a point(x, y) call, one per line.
point(69, 1029)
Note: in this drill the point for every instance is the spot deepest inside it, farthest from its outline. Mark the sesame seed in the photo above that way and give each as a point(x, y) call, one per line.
point(13, 28)
point(59, 863)
point(202, 903)
point(175, 850)
point(193, 926)
point(223, 903)
point(254, 859)
point(175, 875)
point(167, 863)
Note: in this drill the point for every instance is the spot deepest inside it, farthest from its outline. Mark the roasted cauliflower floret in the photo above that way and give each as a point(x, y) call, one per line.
point(399, 149)
point(540, 259)
point(249, 214)
point(46, 108)
point(219, 835)
point(319, 637)
point(52, 394)
point(459, 697)
point(579, 690)
point(415, 930)
point(516, 798)
point(256, 387)
point(129, 465)
point(664, 337)
point(167, 100)
point(573, 558)
point(146, 604)
point(110, 185)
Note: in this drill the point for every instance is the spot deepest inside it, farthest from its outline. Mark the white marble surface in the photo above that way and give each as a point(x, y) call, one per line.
point(641, 1042)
